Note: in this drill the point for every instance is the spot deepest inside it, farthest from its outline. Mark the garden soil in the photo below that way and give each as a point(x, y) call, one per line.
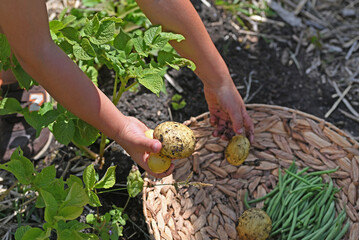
point(254, 63)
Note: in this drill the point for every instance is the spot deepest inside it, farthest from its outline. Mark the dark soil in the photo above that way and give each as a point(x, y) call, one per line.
point(272, 83)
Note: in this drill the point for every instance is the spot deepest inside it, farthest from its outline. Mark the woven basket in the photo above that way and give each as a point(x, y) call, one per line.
point(281, 135)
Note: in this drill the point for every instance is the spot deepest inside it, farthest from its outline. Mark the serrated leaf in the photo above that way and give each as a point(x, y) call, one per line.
point(108, 180)
point(80, 53)
point(152, 82)
point(63, 130)
point(104, 34)
point(92, 26)
point(140, 46)
point(20, 166)
point(151, 33)
point(172, 36)
point(86, 45)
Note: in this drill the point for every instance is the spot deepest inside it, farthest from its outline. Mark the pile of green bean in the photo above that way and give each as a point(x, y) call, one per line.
point(302, 206)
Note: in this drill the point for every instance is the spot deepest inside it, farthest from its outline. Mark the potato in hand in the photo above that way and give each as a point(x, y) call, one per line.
point(178, 140)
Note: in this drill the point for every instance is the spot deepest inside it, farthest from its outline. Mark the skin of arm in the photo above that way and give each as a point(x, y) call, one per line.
point(25, 24)
point(226, 106)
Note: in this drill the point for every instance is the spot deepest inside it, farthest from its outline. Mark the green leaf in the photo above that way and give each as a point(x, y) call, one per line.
point(90, 218)
point(76, 197)
point(5, 48)
point(92, 26)
point(151, 33)
point(64, 130)
point(92, 73)
point(123, 42)
point(153, 82)
point(172, 36)
point(140, 46)
point(85, 134)
point(70, 234)
point(35, 234)
point(94, 200)
point(20, 166)
point(86, 45)
point(73, 179)
point(81, 53)
point(21, 231)
point(89, 176)
point(10, 106)
point(105, 33)
point(134, 183)
point(51, 206)
point(108, 180)
point(71, 34)
point(69, 213)
point(45, 177)
point(68, 19)
point(56, 25)
point(24, 79)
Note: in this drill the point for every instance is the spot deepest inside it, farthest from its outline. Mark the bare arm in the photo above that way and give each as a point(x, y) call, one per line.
point(25, 24)
point(225, 104)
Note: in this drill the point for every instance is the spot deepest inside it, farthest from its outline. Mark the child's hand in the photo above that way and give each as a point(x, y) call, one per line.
point(228, 112)
point(134, 141)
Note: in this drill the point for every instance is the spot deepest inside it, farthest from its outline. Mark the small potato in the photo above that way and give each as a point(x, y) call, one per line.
point(254, 224)
point(178, 140)
point(158, 163)
point(237, 150)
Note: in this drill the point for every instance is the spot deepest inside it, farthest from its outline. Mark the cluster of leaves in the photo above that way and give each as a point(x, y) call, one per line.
point(64, 201)
point(141, 57)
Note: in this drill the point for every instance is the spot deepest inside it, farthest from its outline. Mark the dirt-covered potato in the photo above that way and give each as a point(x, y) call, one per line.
point(254, 224)
point(178, 140)
point(237, 150)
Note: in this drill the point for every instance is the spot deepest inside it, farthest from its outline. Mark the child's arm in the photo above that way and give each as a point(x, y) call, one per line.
point(25, 24)
point(225, 104)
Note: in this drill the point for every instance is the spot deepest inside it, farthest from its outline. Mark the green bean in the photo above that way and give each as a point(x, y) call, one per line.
point(309, 188)
point(327, 193)
point(294, 222)
point(306, 221)
point(323, 172)
point(321, 231)
point(343, 231)
point(271, 193)
point(245, 200)
point(329, 212)
point(300, 234)
point(297, 177)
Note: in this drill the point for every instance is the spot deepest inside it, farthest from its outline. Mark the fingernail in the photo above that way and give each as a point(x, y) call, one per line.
point(240, 131)
point(157, 146)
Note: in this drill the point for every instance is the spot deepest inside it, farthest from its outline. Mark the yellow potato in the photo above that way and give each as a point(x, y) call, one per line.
point(237, 150)
point(254, 224)
point(178, 140)
point(149, 133)
point(158, 163)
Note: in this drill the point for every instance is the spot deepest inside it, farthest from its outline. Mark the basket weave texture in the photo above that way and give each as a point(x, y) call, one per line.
point(281, 135)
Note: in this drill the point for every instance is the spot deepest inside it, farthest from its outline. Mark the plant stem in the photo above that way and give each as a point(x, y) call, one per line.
point(90, 153)
point(112, 190)
point(128, 200)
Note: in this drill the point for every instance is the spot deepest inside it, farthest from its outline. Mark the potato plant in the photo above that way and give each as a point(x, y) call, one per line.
point(93, 40)
point(63, 201)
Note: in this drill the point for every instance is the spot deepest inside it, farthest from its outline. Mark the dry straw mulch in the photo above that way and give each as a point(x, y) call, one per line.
point(184, 211)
